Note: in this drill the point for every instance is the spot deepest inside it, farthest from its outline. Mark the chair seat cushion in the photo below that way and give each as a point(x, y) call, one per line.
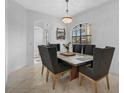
point(88, 71)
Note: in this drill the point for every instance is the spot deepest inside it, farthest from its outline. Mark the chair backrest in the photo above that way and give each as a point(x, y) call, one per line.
point(77, 48)
point(50, 57)
point(88, 49)
point(102, 60)
point(56, 45)
point(40, 48)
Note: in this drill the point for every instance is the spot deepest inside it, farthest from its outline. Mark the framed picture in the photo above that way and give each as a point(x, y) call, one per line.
point(60, 33)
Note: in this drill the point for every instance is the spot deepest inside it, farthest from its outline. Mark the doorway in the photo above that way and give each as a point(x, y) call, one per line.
point(39, 39)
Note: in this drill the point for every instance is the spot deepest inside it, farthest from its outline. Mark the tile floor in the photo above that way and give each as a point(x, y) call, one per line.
point(29, 80)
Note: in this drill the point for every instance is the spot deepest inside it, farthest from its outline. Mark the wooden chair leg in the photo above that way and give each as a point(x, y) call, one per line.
point(47, 75)
point(80, 80)
point(107, 79)
point(42, 69)
point(70, 75)
point(54, 81)
point(95, 86)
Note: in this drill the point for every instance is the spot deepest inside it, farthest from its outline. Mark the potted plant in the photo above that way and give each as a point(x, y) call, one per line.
point(67, 46)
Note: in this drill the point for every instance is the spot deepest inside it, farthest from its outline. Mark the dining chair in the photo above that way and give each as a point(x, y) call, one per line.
point(55, 66)
point(88, 49)
point(40, 48)
point(102, 59)
point(77, 48)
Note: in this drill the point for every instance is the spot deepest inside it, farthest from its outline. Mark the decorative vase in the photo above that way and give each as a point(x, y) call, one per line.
point(68, 50)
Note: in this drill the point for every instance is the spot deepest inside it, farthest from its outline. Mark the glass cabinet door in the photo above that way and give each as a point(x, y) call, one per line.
point(81, 34)
point(74, 36)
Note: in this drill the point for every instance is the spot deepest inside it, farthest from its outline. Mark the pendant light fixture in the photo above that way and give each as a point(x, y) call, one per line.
point(67, 19)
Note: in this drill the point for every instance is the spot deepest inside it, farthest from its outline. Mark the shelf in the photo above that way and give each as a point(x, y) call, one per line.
point(86, 35)
point(79, 37)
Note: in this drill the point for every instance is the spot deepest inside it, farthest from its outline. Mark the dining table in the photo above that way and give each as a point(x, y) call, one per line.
point(75, 60)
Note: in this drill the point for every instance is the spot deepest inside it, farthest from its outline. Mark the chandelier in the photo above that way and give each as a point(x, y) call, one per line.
point(67, 19)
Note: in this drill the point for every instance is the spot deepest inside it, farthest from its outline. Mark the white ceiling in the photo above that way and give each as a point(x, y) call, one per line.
point(58, 7)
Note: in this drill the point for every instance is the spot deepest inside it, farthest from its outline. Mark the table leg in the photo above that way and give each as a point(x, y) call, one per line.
point(74, 73)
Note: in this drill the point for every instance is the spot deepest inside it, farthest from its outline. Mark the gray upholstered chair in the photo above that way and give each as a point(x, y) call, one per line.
point(77, 48)
point(87, 49)
point(102, 59)
point(55, 66)
point(40, 48)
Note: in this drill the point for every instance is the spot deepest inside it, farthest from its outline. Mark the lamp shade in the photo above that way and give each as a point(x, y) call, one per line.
point(67, 19)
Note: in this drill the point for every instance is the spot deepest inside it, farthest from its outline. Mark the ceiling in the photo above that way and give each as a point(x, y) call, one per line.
point(58, 7)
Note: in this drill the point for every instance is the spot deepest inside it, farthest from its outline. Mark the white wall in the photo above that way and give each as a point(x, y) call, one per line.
point(20, 34)
point(104, 22)
point(16, 36)
point(36, 18)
